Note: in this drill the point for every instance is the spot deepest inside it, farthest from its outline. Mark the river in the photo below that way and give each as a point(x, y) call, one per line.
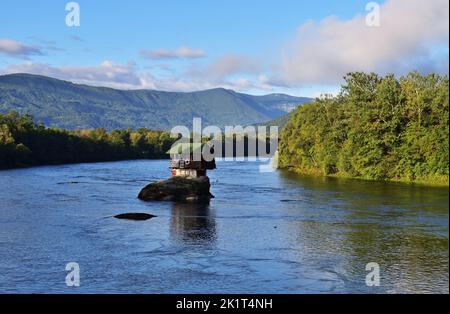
point(273, 232)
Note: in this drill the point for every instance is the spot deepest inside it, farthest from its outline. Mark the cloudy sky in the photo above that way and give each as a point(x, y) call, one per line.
point(292, 46)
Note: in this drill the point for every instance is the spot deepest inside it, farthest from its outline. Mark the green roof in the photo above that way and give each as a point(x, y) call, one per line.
point(185, 148)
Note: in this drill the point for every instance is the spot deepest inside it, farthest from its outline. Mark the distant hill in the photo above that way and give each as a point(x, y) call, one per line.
point(62, 104)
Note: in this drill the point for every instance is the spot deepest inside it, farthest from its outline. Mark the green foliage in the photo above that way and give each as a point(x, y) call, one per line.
point(377, 128)
point(280, 122)
point(25, 143)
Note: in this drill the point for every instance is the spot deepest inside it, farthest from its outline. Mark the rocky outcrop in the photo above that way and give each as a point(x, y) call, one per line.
point(178, 189)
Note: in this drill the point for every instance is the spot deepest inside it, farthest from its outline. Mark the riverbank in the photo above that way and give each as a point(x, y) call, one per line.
point(432, 182)
point(164, 157)
point(24, 143)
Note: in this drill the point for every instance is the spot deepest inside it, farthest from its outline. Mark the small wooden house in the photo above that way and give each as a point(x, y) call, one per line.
point(182, 161)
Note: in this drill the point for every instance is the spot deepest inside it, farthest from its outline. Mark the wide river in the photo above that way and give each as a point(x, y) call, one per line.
point(272, 232)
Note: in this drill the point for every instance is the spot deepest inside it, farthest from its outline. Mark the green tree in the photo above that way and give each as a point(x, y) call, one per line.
point(377, 128)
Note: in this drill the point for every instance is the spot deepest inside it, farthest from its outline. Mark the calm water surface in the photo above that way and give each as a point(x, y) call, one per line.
point(263, 233)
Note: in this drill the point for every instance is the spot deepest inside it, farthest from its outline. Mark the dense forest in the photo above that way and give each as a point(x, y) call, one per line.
point(25, 143)
point(380, 128)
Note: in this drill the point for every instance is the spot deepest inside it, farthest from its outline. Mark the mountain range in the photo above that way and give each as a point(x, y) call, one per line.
point(63, 104)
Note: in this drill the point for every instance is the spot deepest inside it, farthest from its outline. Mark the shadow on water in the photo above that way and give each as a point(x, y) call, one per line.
point(192, 224)
point(361, 194)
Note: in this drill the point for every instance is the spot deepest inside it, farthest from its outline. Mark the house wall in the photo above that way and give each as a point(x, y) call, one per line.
point(187, 173)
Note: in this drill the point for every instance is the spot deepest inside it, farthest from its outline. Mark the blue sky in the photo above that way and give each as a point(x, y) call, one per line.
point(292, 46)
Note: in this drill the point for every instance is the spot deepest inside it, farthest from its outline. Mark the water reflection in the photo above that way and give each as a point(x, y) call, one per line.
point(402, 227)
point(263, 233)
point(363, 193)
point(192, 224)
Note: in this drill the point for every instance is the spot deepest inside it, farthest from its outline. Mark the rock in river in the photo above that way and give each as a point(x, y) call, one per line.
point(178, 189)
point(134, 216)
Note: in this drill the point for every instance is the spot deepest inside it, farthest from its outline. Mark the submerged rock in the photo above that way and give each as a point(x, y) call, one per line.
point(178, 189)
point(134, 216)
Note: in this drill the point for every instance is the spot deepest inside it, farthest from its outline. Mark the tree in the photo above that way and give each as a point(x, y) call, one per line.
point(376, 128)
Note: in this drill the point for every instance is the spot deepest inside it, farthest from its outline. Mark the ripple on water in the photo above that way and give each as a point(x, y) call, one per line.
point(263, 233)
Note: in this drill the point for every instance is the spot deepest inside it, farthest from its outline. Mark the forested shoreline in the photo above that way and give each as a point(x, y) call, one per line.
point(24, 142)
point(377, 128)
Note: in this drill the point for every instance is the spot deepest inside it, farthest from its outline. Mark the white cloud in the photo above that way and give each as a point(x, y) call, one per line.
point(413, 35)
point(182, 52)
point(230, 71)
point(231, 64)
point(17, 49)
point(323, 52)
point(124, 76)
point(105, 74)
